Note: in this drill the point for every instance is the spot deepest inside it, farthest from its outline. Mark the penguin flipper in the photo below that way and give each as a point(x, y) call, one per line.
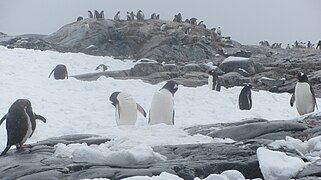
point(141, 110)
point(149, 117)
point(4, 152)
point(173, 118)
point(41, 118)
point(313, 96)
point(3, 118)
point(51, 72)
point(292, 99)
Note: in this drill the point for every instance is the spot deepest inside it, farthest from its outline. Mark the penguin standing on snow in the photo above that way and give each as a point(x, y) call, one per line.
point(162, 108)
point(20, 124)
point(213, 81)
point(126, 108)
point(303, 95)
point(245, 99)
point(60, 72)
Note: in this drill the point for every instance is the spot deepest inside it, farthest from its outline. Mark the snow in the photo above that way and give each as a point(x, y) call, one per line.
point(102, 154)
point(277, 165)
point(72, 106)
point(234, 59)
point(226, 175)
point(310, 149)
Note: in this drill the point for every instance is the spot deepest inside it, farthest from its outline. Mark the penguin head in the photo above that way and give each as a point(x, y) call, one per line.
point(302, 77)
point(212, 72)
point(113, 98)
point(171, 86)
point(248, 86)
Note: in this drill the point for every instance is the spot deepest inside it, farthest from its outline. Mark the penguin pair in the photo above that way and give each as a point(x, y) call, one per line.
point(20, 124)
point(303, 95)
point(161, 111)
point(60, 72)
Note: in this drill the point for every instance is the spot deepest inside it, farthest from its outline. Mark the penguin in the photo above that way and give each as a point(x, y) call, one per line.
point(102, 15)
point(101, 67)
point(245, 99)
point(187, 21)
point(303, 95)
point(20, 124)
point(219, 31)
point(60, 72)
point(117, 16)
point(140, 16)
point(188, 31)
point(193, 21)
point(153, 16)
point(163, 27)
point(132, 16)
point(319, 45)
point(80, 18)
point(162, 107)
point(128, 16)
point(213, 81)
point(126, 108)
point(157, 16)
point(96, 14)
point(90, 14)
point(201, 24)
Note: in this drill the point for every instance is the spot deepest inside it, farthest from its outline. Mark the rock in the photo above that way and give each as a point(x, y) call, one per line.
point(233, 79)
point(231, 63)
point(191, 67)
point(170, 67)
point(271, 82)
point(313, 169)
point(144, 69)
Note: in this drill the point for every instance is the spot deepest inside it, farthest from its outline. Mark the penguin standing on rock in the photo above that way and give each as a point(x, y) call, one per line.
point(126, 108)
point(60, 72)
point(303, 95)
point(162, 108)
point(245, 99)
point(20, 124)
point(213, 81)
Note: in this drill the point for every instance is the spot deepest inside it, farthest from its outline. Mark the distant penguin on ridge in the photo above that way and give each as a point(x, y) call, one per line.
point(213, 81)
point(162, 107)
point(60, 72)
point(90, 14)
point(126, 108)
point(303, 95)
point(20, 124)
point(245, 99)
point(117, 16)
point(101, 67)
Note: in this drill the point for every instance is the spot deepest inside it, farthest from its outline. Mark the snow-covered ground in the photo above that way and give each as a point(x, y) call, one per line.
point(72, 106)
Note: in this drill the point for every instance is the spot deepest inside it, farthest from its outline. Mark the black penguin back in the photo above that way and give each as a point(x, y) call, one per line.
point(245, 99)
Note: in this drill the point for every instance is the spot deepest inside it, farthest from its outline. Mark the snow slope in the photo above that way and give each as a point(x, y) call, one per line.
point(71, 106)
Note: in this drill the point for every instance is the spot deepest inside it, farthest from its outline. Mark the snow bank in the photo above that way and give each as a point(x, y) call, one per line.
point(72, 107)
point(276, 165)
point(138, 155)
point(235, 59)
point(310, 149)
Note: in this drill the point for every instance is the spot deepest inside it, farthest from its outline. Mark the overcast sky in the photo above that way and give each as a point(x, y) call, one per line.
point(247, 21)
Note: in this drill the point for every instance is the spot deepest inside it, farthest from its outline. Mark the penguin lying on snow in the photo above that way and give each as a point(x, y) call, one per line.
point(20, 124)
point(162, 108)
point(60, 72)
point(245, 99)
point(303, 95)
point(126, 108)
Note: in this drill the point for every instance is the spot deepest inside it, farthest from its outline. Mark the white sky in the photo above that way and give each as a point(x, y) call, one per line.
point(247, 21)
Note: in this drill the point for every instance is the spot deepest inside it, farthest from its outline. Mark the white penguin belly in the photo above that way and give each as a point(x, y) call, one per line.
point(162, 108)
point(29, 131)
point(126, 110)
point(303, 98)
point(210, 82)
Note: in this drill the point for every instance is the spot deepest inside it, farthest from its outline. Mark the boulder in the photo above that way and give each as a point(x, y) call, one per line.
point(145, 69)
point(232, 63)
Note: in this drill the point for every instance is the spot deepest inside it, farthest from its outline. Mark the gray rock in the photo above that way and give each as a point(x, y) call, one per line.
point(145, 69)
point(231, 63)
point(271, 82)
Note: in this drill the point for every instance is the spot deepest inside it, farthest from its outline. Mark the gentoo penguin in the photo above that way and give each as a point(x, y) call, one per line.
point(213, 81)
point(162, 108)
point(90, 14)
point(219, 31)
point(245, 99)
point(319, 45)
point(153, 16)
point(20, 124)
point(117, 16)
point(303, 95)
point(80, 18)
point(140, 16)
point(188, 31)
point(60, 72)
point(96, 14)
point(187, 21)
point(201, 24)
point(128, 16)
point(132, 16)
point(163, 27)
point(126, 108)
point(193, 21)
point(101, 67)
point(157, 16)
point(102, 15)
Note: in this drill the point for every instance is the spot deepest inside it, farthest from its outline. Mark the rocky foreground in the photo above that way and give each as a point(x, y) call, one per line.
point(186, 161)
point(185, 57)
